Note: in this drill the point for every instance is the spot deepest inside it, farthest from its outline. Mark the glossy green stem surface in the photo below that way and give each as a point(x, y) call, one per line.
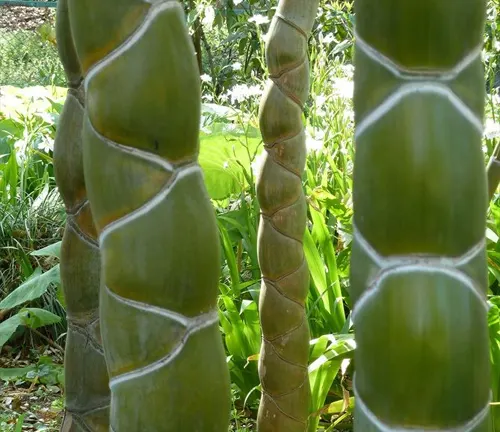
point(86, 378)
point(157, 228)
point(418, 269)
point(285, 276)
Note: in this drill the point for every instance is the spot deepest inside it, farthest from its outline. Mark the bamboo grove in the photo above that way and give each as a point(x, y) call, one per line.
point(141, 256)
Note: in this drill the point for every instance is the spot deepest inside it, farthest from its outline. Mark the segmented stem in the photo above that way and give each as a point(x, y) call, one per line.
point(157, 229)
point(86, 378)
point(285, 276)
point(418, 265)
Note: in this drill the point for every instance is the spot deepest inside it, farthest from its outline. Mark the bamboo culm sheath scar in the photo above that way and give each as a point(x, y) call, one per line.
point(86, 378)
point(418, 266)
point(155, 223)
point(285, 277)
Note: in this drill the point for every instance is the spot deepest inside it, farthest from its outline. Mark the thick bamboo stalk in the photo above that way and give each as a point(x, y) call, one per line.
point(86, 378)
point(157, 228)
point(285, 276)
point(418, 269)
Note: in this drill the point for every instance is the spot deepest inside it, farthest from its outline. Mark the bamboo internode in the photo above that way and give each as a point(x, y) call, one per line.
point(156, 226)
point(285, 275)
point(86, 378)
point(418, 269)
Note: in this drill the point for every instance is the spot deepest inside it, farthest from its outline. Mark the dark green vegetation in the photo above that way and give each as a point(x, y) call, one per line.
point(233, 75)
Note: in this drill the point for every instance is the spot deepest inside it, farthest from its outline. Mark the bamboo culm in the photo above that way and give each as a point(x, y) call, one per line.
point(156, 226)
point(86, 378)
point(285, 276)
point(418, 265)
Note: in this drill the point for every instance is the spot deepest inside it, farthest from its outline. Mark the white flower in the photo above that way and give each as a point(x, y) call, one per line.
point(241, 92)
point(46, 145)
point(328, 39)
point(209, 17)
point(236, 66)
point(208, 98)
point(259, 19)
point(314, 144)
point(320, 100)
point(491, 129)
point(206, 78)
point(237, 2)
point(343, 88)
point(20, 148)
point(349, 114)
point(47, 117)
point(20, 145)
point(348, 70)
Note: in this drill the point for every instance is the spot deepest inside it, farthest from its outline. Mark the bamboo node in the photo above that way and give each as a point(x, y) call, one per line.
point(469, 425)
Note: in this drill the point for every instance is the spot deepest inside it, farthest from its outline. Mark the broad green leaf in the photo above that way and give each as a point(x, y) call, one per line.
point(250, 315)
point(8, 327)
point(35, 317)
point(236, 340)
point(8, 374)
point(53, 250)
point(336, 407)
point(318, 347)
point(490, 235)
point(32, 288)
point(19, 423)
point(324, 369)
point(227, 247)
point(11, 175)
point(321, 381)
point(10, 128)
point(333, 296)
point(223, 158)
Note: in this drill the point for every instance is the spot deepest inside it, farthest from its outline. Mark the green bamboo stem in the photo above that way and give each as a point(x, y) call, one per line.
point(157, 228)
point(285, 276)
point(86, 378)
point(418, 269)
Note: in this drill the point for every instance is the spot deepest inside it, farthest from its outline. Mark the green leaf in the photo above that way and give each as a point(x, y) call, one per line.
point(324, 369)
point(10, 128)
point(8, 327)
point(250, 314)
point(53, 250)
point(32, 288)
point(490, 235)
point(333, 296)
point(34, 317)
point(336, 407)
point(20, 422)
point(227, 247)
point(8, 374)
point(223, 158)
